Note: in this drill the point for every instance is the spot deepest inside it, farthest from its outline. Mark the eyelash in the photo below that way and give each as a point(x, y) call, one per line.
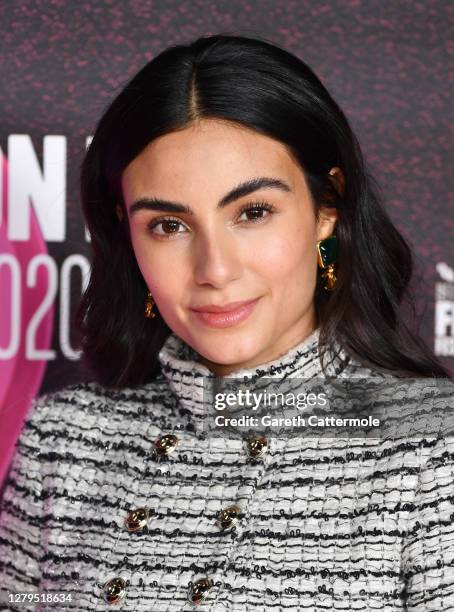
point(251, 206)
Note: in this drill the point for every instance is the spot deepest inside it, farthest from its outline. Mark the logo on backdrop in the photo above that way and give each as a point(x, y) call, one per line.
point(444, 310)
point(33, 210)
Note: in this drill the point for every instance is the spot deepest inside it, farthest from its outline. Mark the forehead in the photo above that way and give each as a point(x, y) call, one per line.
point(210, 152)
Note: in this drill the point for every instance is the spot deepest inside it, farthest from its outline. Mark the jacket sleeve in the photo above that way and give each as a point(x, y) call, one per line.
point(21, 517)
point(428, 549)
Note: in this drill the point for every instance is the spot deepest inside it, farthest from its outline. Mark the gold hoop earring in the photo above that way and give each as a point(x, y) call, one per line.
point(149, 314)
point(327, 256)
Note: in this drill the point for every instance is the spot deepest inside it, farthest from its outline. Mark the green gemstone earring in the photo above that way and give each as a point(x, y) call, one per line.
point(327, 256)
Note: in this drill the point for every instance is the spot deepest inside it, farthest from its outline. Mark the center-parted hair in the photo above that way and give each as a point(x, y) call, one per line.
point(265, 88)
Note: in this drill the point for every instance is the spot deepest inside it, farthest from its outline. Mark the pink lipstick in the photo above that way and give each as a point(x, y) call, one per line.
point(226, 315)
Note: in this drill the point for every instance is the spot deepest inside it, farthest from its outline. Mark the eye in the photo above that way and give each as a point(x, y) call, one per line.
point(256, 211)
point(166, 227)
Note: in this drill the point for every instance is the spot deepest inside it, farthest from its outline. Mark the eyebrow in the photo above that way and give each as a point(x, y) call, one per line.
point(241, 190)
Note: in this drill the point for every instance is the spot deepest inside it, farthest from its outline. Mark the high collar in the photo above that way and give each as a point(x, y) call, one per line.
point(188, 378)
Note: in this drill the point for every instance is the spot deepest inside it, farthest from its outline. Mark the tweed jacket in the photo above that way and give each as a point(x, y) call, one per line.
point(116, 499)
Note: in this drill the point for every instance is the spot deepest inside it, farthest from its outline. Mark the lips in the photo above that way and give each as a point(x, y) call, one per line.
point(224, 315)
point(225, 308)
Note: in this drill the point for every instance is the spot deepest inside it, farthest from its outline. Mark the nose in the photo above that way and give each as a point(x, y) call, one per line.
point(217, 259)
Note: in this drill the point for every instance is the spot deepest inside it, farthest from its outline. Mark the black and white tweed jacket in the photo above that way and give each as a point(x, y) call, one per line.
point(309, 525)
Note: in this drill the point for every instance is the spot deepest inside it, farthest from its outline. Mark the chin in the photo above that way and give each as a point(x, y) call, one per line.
point(236, 349)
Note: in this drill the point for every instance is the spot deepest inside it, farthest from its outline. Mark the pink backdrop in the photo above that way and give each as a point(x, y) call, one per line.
point(20, 378)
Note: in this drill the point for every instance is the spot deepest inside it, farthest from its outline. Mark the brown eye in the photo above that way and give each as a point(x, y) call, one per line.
point(169, 227)
point(256, 212)
point(166, 227)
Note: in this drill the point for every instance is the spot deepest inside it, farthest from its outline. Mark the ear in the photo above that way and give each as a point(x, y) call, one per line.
point(337, 177)
point(119, 212)
point(328, 215)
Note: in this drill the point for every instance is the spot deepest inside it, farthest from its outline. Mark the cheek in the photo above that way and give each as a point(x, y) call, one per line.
point(163, 274)
point(288, 256)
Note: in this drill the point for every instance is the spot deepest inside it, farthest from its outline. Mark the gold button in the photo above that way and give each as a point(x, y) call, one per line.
point(257, 446)
point(137, 519)
point(165, 444)
point(228, 518)
point(114, 590)
point(198, 592)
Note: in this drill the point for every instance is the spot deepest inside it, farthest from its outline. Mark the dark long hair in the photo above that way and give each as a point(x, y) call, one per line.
point(265, 88)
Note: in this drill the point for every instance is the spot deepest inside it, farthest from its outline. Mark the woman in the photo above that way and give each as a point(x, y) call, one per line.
point(237, 235)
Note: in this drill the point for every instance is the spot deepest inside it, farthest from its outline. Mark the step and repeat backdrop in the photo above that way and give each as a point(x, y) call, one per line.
point(61, 62)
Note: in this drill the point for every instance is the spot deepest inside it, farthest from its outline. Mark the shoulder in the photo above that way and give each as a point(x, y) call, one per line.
point(86, 397)
point(69, 405)
point(90, 405)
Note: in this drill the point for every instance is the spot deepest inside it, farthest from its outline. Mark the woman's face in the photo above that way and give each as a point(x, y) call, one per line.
point(221, 216)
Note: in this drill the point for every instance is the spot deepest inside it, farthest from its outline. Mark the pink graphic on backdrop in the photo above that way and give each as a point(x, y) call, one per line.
point(20, 378)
